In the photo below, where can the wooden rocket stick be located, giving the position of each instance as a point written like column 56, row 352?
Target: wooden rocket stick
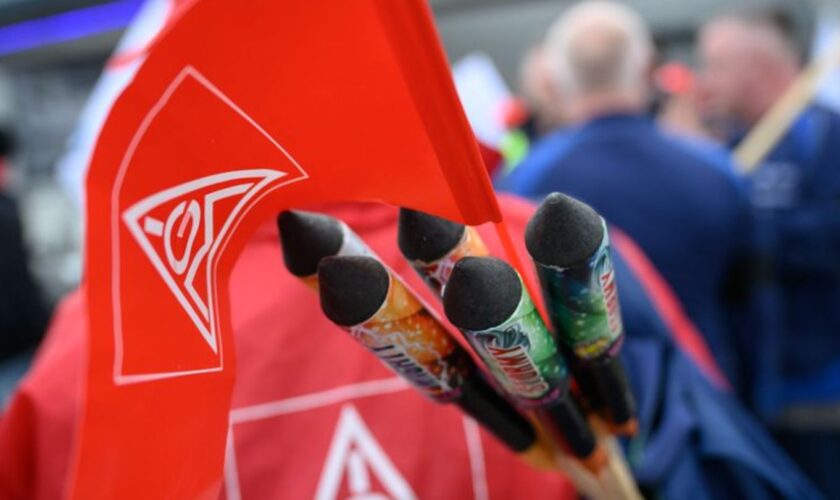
column 616, row 478
column 614, row 482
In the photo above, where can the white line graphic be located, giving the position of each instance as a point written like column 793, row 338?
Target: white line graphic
column 203, row 313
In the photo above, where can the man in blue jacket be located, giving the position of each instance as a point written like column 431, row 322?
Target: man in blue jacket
column 749, row 60
column 679, row 201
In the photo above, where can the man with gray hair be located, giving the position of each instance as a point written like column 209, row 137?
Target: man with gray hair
column 679, row 202
column 600, row 54
column 749, row 59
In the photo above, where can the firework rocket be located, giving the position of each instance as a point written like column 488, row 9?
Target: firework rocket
column 486, row 300
column 569, row 244
column 308, row 237
column 433, row 245
column 361, row 296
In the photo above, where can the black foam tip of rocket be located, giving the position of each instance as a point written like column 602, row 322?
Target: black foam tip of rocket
column 482, row 292
column 425, row 237
column 352, row 288
column 307, row 238
column 563, row 232
column 481, row 401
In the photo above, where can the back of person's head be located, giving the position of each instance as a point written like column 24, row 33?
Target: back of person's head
column 764, row 29
column 540, row 96
column 749, row 56
column 601, row 51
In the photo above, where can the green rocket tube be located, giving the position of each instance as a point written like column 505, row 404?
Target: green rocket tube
column 486, row 300
column 570, row 246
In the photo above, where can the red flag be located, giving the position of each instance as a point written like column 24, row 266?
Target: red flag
column 240, row 110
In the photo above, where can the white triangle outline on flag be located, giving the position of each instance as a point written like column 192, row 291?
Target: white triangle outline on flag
column 207, row 252
column 353, row 442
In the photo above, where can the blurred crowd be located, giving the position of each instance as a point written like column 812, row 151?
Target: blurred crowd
column 749, row 243
column 751, row 249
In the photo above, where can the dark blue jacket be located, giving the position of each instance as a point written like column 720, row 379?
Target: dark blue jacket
column 679, row 201
column 695, row 440
column 796, row 198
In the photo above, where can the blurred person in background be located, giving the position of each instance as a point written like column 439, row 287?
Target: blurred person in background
column 23, row 315
column 536, row 110
column 749, row 59
column 676, row 201
column 540, row 97
column 676, row 110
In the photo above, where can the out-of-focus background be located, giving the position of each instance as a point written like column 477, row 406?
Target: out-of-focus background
column 53, row 51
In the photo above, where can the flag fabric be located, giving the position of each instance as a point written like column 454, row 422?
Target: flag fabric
column 237, row 111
